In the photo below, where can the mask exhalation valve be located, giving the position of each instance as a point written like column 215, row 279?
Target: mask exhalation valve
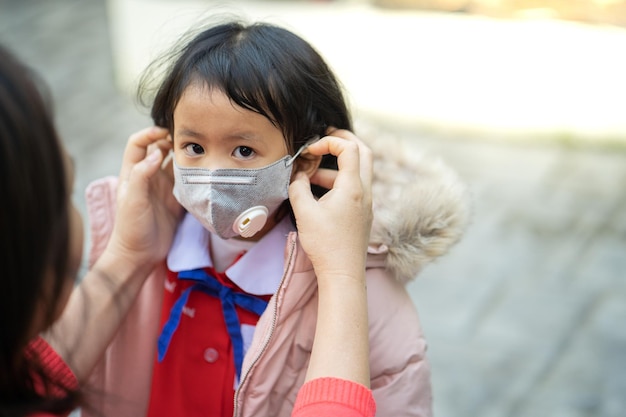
column 250, row 221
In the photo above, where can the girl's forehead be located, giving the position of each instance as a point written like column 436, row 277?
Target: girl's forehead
column 256, row 102
column 203, row 113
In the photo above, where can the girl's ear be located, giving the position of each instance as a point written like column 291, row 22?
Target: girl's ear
column 307, row 163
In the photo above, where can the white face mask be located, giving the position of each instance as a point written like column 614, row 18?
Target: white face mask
column 231, row 202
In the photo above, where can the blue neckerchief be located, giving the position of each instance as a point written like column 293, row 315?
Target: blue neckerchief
column 229, row 298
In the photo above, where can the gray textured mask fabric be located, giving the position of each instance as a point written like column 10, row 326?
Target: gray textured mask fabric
column 231, row 202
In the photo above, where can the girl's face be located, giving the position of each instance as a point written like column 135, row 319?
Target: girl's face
column 211, row 132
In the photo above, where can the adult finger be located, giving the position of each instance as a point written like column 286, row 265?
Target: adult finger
column 164, row 145
column 348, row 161
column 142, row 171
column 136, row 182
column 137, row 147
column 346, row 151
column 365, row 154
column 300, row 192
column 324, row 178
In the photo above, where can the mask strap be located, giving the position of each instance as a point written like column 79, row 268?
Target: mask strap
column 306, row 145
column 167, row 159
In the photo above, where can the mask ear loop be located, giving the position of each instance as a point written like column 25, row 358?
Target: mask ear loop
column 167, row 159
column 302, row 148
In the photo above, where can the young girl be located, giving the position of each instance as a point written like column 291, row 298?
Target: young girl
column 42, row 248
column 226, row 326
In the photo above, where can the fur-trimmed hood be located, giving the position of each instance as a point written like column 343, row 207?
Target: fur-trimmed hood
column 421, row 207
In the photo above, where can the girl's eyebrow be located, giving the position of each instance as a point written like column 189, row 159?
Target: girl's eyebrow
column 188, row 132
column 251, row 136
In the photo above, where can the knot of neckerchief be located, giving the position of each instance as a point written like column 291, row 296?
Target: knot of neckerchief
column 228, row 298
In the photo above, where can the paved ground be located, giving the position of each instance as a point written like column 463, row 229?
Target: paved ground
column 526, row 317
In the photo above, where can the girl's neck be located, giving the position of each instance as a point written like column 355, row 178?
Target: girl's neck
column 225, row 251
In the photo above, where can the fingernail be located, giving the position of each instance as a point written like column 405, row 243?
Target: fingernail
column 153, row 156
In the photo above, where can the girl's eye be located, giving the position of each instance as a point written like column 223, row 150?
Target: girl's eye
column 194, row 149
column 243, row 152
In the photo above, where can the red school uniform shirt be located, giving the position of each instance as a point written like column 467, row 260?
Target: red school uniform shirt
column 195, row 372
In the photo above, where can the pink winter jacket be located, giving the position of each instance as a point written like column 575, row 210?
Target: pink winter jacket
column 420, row 211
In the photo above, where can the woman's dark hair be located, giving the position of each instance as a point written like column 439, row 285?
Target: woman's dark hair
column 263, row 68
column 34, row 237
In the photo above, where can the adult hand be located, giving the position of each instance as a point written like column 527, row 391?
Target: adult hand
column 146, row 218
column 334, row 230
column 147, row 212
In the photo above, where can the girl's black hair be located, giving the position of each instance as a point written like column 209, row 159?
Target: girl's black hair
column 34, row 237
column 263, row 68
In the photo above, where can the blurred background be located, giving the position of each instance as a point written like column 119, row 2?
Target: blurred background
column 525, row 99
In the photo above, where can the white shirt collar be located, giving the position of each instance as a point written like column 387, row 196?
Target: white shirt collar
column 258, row 272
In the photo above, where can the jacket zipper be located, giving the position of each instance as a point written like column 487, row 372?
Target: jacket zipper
column 272, row 328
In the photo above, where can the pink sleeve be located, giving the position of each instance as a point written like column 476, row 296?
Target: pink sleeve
column 334, row 397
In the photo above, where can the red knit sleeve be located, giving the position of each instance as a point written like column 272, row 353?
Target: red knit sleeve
column 54, row 366
column 334, row 397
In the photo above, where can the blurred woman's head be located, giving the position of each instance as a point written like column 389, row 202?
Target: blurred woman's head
column 40, row 230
